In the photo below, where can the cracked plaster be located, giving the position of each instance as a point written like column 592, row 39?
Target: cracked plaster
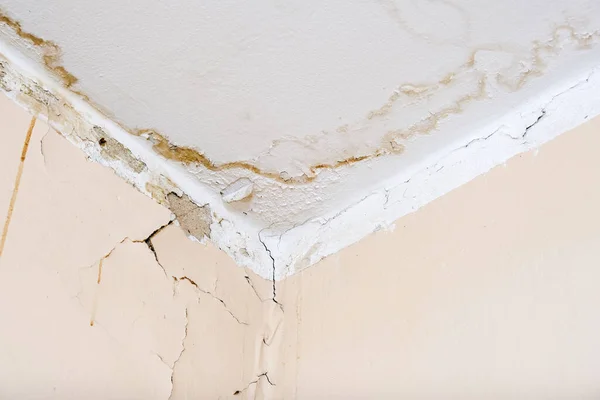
column 494, row 293
column 327, row 166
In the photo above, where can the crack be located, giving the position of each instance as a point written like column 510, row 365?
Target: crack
column 265, row 374
column 100, row 264
column 195, row 285
column 273, row 273
column 480, row 139
column 539, row 118
column 163, row 361
column 527, row 129
column 42, row 145
column 253, row 288
column 254, row 382
column 106, row 255
column 99, row 278
column 148, row 242
column 187, row 323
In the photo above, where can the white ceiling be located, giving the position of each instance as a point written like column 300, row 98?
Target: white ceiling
column 345, row 98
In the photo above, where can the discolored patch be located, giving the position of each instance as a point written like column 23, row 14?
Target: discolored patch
column 113, row 149
column 195, row 220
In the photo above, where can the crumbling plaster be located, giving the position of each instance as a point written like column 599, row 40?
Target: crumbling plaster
column 343, row 116
column 493, row 294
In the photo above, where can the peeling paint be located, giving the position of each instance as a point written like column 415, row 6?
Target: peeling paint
column 305, row 188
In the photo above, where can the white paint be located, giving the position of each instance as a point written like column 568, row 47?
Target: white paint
column 287, row 86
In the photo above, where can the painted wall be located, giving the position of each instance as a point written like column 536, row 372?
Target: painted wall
column 488, row 292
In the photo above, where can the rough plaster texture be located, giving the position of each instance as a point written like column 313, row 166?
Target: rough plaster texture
column 342, row 115
column 488, row 292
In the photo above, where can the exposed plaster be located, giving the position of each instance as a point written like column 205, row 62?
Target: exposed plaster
column 101, row 147
column 194, row 219
column 300, row 213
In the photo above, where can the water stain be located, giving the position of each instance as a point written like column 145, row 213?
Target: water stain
column 15, row 192
column 51, row 53
column 389, row 143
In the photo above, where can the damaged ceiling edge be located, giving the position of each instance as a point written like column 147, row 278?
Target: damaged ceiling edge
column 560, row 108
column 273, row 253
column 131, row 157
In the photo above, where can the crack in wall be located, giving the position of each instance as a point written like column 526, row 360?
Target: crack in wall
column 212, row 295
column 425, row 126
column 148, row 242
column 253, row 288
column 187, row 322
column 274, row 272
column 254, row 382
column 100, row 263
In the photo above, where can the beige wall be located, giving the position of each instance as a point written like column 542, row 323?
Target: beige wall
column 488, row 292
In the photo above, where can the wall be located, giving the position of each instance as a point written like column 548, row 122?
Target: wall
column 489, row 291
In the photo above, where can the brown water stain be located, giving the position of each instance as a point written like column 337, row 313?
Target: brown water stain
column 389, row 146
column 51, row 53
column 15, row 192
column 189, row 156
column 95, row 304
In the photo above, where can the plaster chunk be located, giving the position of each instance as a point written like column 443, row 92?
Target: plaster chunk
column 238, row 190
